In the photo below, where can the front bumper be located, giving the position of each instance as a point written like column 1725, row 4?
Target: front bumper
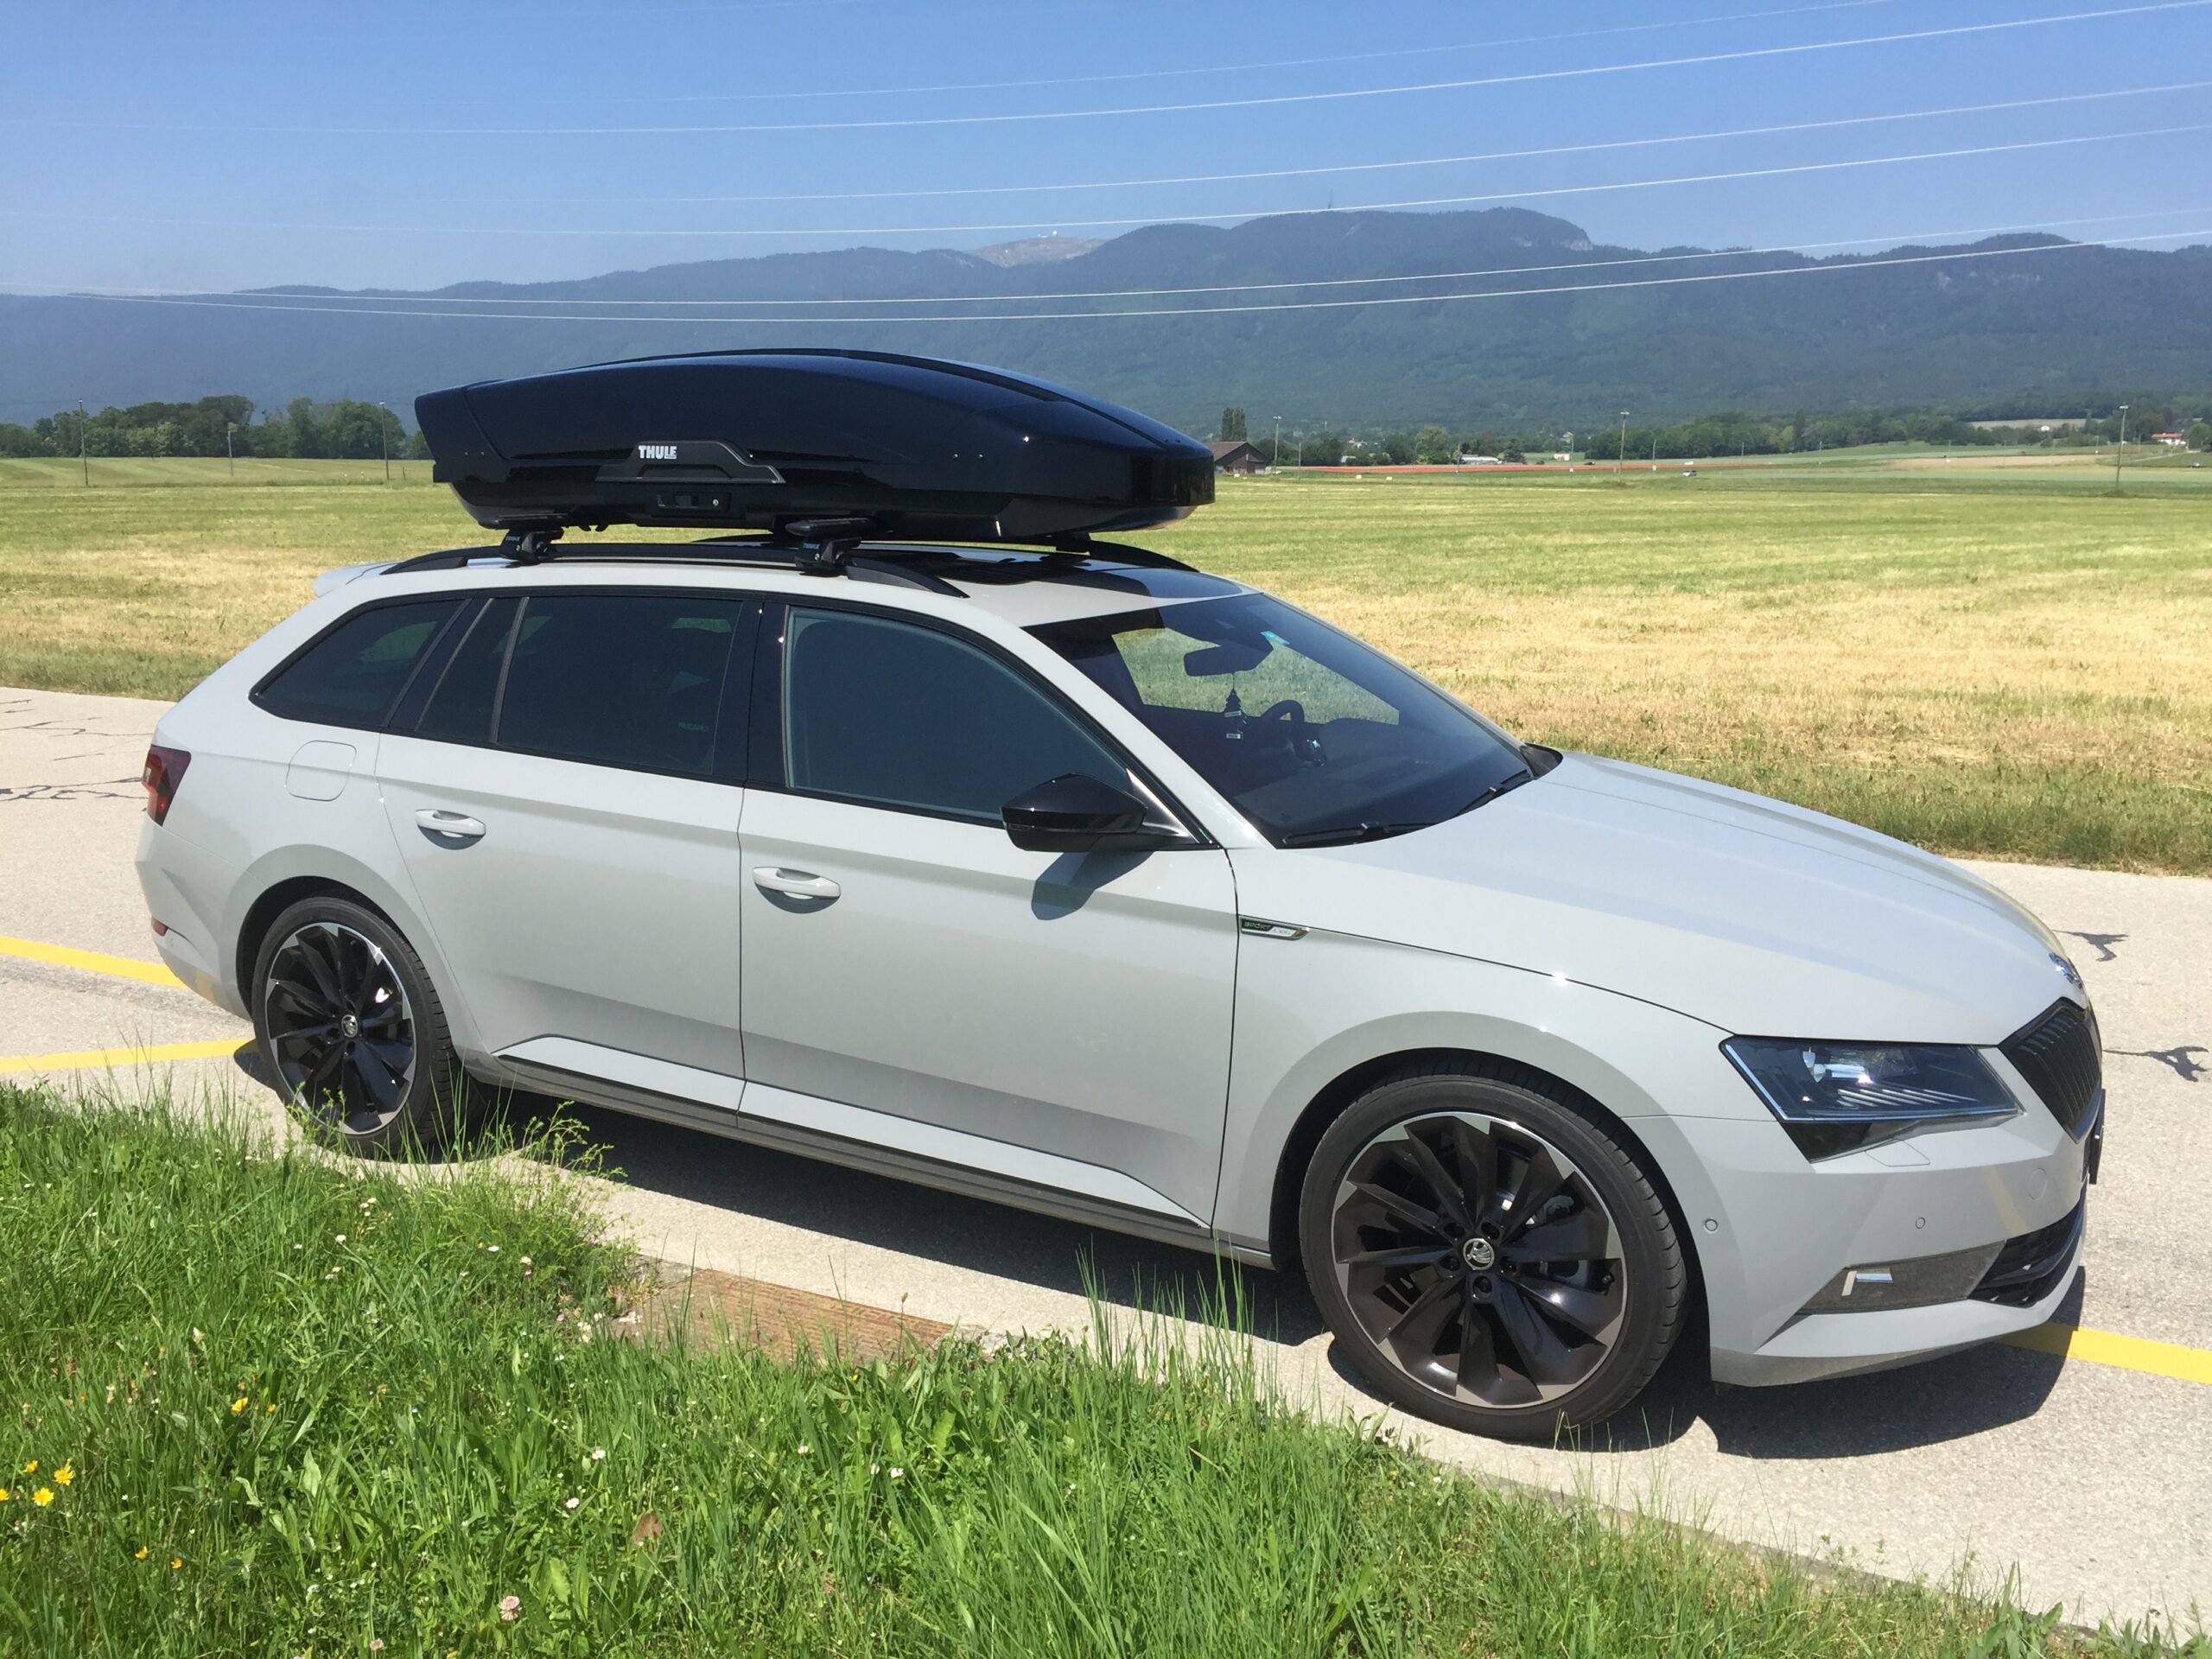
column 1775, row 1234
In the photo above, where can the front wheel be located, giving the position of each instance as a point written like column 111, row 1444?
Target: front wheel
column 353, row 1029
column 1490, row 1257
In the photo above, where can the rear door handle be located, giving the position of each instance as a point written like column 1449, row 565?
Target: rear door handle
column 452, row 826
column 799, row 883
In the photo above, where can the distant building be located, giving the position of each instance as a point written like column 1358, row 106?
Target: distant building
column 2171, row 439
column 1236, row 456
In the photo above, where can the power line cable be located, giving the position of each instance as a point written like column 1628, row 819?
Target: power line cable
column 1183, row 311
column 998, row 117
column 700, row 232
column 1893, row 238
column 1185, row 71
column 1372, row 167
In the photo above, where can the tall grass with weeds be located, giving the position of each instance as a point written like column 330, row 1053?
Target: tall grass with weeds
column 272, row 1403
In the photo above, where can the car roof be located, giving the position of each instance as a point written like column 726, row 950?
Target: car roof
column 1026, row 587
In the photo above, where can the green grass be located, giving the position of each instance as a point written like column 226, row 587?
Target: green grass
column 306, row 1408
column 2008, row 661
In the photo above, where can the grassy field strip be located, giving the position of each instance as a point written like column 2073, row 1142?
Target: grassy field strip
column 269, row 1404
column 91, row 962
column 2008, row 661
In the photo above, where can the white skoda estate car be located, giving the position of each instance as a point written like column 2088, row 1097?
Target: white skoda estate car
column 1092, row 883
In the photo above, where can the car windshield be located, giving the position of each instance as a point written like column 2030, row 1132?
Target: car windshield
column 1316, row 738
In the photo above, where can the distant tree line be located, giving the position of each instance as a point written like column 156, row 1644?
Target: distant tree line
column 343, row 430
column 1731, row 433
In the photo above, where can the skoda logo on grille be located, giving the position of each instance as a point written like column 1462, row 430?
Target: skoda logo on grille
column 1479, row 1253
column 2073, row 974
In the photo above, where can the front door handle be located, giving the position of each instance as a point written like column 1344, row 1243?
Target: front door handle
column 799, row 884
column 450, row 826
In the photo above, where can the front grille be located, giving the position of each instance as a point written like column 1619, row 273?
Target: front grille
column 2058, row 1057
column 2029, row 1268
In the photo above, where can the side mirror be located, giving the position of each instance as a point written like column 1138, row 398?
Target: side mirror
column 1078, row 813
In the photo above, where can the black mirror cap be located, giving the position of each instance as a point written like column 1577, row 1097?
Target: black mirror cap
column 1078, row 813
column 916, row 448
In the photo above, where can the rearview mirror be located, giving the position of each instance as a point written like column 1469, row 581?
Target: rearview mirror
column 1078, row 813
column 1230, row 656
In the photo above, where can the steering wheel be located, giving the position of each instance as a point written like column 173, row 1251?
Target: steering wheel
column 1289, row 709
column 1300, row 737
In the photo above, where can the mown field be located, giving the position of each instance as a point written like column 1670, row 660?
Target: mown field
column 272, row 1404
column 2002, row 660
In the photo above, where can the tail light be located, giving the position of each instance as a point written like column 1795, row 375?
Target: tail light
column 164, row 771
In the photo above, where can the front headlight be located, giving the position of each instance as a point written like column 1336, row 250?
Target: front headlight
column 1837, row 1097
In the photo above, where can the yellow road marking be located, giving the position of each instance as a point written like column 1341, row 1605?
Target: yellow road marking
column 2126, row 1353
column 92, row 961
column 86, row 1059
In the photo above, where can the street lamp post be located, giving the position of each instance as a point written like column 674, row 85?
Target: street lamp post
column 1274, row 455
column 383, row 438
column 230, row 455
column 2119, row 449
column 1622, row 450
column 84, row 455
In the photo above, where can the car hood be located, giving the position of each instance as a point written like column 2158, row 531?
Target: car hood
column 1757, row 916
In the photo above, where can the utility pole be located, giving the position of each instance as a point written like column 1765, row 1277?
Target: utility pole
column 2119, row 449
column 1654, row 449
column 1274, row 455
column 84, row 455
column 230, row 455
column 384, row 439
column 1622, row 450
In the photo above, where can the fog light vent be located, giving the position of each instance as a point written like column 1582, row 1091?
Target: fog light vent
column 1925, row 1281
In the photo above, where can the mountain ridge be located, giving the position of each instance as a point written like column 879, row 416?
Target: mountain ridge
column 1553, row 328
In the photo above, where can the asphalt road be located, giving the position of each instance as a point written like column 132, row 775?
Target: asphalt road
column 2084, row 1459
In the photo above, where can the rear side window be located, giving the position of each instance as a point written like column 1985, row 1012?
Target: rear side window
column 460, row 709
column 354, row 673
column 620, row 679
column 895, row 715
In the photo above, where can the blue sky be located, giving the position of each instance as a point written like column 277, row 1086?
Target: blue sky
column 260, row 142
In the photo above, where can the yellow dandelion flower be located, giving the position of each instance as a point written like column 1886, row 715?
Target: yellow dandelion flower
column 31, row 1468
column 237, row 1405
column 175, row 1561
column 64, row 1475
column 43, row 1497
column 5, row 1494
column 271, row 1407
column 141, row 1556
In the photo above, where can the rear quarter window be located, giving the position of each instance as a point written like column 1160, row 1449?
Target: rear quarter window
column 353, row 674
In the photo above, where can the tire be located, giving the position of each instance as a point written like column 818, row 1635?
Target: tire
column 352, row 1030
column 1432, row 1284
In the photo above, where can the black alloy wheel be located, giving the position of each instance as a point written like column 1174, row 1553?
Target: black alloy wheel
column 352, row 1028
column 1490, row 1257
column 340, row 1032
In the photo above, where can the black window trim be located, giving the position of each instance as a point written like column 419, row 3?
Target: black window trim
column 730, row 766
column 381, row 722
column 768, row 773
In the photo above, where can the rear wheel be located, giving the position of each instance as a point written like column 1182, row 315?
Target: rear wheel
column 353, row 1031
column 1490, row 1257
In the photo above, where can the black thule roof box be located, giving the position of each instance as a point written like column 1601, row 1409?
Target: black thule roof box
column 795, row 441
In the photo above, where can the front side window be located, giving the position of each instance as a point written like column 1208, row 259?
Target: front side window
column 1314, row 737
column 892, row 714
column 354, row 673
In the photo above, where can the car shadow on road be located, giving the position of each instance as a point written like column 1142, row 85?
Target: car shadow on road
column 1952, row 1398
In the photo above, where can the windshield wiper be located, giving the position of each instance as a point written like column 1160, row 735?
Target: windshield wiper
column 1345, row 834
column 1500, row 787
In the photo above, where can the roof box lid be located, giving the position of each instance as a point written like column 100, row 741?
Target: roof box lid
column 769, row 440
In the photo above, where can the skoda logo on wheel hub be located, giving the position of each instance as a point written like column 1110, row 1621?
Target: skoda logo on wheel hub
column 1479, row 1253
column 350, row 1027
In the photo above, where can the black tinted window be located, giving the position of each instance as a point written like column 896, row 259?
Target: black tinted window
column 618, row 679
column 353, row 674
column 903, row 716
column 460, row 709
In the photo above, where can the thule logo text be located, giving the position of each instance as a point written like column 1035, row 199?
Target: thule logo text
column 656, row 452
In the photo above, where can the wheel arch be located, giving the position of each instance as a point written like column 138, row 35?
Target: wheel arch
column 1338, row 1095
